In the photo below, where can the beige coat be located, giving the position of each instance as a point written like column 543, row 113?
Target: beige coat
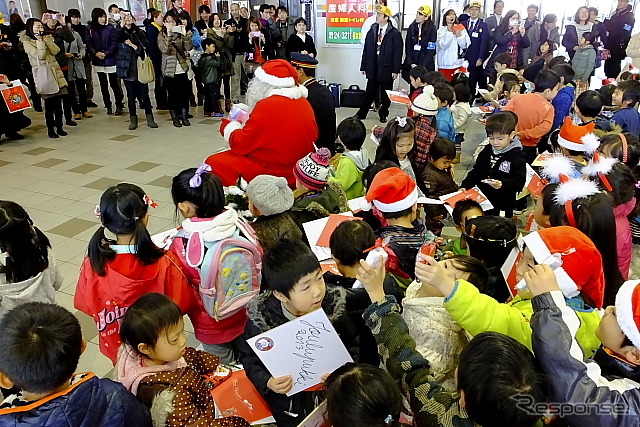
column 633, row 50
column 44, row 50
column 174, row 47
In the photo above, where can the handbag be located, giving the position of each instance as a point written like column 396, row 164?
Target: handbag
column 605, row 54
column 44, row 76
column 146, row 73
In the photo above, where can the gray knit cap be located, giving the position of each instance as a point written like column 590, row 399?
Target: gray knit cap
column 270, row 194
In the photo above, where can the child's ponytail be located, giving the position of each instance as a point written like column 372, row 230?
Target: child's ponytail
column 122, row 211
column 201, row 188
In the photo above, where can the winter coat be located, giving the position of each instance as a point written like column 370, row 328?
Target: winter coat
column 224, row 46
column 583, row 63
column 389, row 61
column 324, row 111
column 445, row 124
column 89, row 401
column 60, row 34
column 633, row 50
column 272, row 37
column 76, row 65
column 174, row 48
column 319, row 204
column 570, row 38
column 562, row 104
column 509, row 168
column 478, row 313
column 41, row 52
column 619, row 28
column 426, row 55
column 533, row 34
column 272, row 228
column 351, row 166
column 295, row 44
column 240, row 36
column 265, row 313
column 449, row 47
column 127, row 60
column 256, row 149
column 615, row 366
column 181, row 383
column 207, row 329
column 430, row 403
column 438, row 181
column 40, row 288
column 287, row 29
column 461, row 116
column 502, row 40
column 152, row 32
column 103, row 38
column 628, row 119
column 405, row 243
column 479, row 45
column 575, row 380
column 106, row 298
column 439, row 339
column 623, row 236
column 209, row 66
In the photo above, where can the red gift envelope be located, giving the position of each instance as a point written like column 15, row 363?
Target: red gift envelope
column 398, row 97
column 458, row 27
column 330, row 226
column 472, row 193
column 329, row 266
column 15, row 96
column 238, row 397
column 508, row 269
column 534, row 183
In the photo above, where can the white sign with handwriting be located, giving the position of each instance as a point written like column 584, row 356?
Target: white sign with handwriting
column 305, row 348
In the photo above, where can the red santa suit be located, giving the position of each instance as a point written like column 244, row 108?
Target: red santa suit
column 280, row 130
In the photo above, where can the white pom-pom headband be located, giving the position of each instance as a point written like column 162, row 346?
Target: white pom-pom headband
column 600, row 166
column 570, row 190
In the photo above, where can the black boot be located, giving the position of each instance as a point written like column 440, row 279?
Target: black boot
column 151, row 122
column 185, row 118
column 61, row 131
column 133, row 122
column 175, row 117
column 52, row 133
column 119, row 110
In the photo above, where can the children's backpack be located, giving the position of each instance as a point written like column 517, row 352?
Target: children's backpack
column 230, row 270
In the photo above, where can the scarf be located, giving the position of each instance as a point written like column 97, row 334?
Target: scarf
column 212, row 229
column 131, row 370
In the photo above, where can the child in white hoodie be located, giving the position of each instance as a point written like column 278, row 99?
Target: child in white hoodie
column 461, row 110
column 439, row 339
column 28, row 270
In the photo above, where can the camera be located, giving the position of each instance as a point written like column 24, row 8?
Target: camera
column 54, row 16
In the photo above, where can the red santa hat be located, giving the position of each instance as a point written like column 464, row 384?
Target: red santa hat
column 277, row 73
column 391, row 190
column 577, row 262
column 578, row 138
column 628, row 310
column 600, row 166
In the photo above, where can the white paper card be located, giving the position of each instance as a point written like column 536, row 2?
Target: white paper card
column 305, row 348
column 313, row 230
column 318, row 418
column 163, row 239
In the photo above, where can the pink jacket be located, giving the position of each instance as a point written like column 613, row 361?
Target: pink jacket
column 623, row 236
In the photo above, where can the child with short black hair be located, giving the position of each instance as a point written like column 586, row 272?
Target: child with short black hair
column 588, row 107
column 463, row 211
column 583, row 61
column 502, row 64
column 418, row 79
column 444, row 117
column 438, row 175
column 41, row 346
column 352, row 163
column 157, row 367
column 607, row 96
column 461, row 115
column 295, row 287
column 209, row 67
column 563, row 101
column 499, row 171
column 535, row 112
column 626, row 97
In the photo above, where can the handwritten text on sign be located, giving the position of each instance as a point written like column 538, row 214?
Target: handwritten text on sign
column 305, row 348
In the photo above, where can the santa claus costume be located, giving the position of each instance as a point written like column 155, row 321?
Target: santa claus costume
column 280, row 130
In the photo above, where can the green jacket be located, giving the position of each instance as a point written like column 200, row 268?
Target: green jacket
column 209, row 64
column 431, row 404
column 583, row 63
column 349, row 175
column 478, row 313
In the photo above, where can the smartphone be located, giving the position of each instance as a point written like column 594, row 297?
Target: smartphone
column 255, row 33
column 177, row 29
column 54, row 16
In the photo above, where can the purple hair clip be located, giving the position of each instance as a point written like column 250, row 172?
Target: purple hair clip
column 196, row 180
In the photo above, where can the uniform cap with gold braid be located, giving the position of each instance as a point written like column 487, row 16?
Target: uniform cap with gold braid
column 302, row 60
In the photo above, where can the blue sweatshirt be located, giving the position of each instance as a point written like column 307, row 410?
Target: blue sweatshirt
column 445, row 124
column 629, row 119
column 562, row 105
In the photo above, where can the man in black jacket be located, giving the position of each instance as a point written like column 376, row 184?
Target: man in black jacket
column 619, row 28
column 237, row 27
column 381, row 62
column 320, row 99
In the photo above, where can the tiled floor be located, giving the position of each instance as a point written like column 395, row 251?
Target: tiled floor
column 59, row 182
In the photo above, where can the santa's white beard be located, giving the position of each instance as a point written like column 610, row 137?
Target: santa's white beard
column 257, row 91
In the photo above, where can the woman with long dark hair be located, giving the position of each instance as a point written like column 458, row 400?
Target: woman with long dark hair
column 510, row 38
column 420, row 44
column 102, row 44
column 452, row 42
column 224, row 43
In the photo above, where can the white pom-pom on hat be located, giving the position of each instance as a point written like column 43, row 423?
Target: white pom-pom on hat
column 575, row 189
column 557, row 165
column 591, row 143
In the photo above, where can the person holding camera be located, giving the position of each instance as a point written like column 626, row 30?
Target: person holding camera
column 75, row 52
column 175, row 42
column 224, row 42
column 511, row 38
column 237, row 28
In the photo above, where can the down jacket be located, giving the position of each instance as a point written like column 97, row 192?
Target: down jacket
column 449, row 47
column 174, row 47
column 576, row 382
column 40, row 51
column 102, row 38
column 90, row 401
column 127, row 59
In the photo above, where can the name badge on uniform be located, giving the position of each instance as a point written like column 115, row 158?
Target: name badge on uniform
column 417, row 47
column 431, row 46
column 474, row 34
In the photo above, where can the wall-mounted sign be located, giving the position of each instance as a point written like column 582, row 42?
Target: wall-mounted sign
column 344, row 21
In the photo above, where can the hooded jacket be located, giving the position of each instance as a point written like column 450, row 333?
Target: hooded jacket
column 127, row 59
column 351, row 166
column 509, row 168
column 438, row 181
column 40, row 288
column 272, row 228
column 624, row 241
column 265, row 313
column 207, row 329
column 562, row 104
column 574, row 380
column 107, row 298
column 449, row 47
column 583, row 62
column 89, row 401
column 319, row 204
column 405, row 243
column 102, row 38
